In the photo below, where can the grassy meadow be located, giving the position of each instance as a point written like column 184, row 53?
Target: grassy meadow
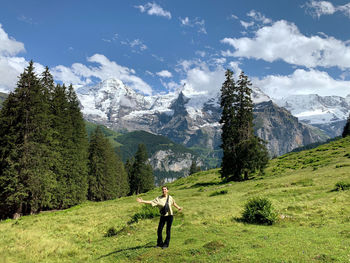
column 313, row 224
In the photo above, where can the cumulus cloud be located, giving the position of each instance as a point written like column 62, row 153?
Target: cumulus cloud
column 319, row 8
column 164, row 74
column 302, row 82
column 283, row 41
column 10, row 65
column 197, row 23
column 80, row 74
column 203, row 78
column 154, row 9
column 8, row 45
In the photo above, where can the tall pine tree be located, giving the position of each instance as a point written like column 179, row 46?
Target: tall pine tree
column 141, row 174
column 228, row 97
column 107, row 176
column 78, row 174
column 243, row 152
column 26, row 180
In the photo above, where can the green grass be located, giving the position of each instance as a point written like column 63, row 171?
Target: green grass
column 313, row 220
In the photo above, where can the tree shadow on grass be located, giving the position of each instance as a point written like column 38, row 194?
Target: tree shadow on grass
column 197, row 185
column 148, row 245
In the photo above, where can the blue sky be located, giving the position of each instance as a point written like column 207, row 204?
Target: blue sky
column 285, row 47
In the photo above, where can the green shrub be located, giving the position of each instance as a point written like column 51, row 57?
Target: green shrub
column 259, row 210
column 111, row 232
column 222, row 192
column 146, row 212
column 340, row 186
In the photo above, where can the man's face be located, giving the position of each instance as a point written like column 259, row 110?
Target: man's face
column 164, row 190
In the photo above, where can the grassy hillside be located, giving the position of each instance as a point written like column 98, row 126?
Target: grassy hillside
column 313, row 225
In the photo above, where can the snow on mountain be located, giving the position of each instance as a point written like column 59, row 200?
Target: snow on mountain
column 314, row 109
column 112, row 99
column 187, row 116
column 111, row 94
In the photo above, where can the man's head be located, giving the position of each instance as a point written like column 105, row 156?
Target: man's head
column 164, row 190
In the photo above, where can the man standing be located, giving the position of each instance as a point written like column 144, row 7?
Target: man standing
column 164, row 203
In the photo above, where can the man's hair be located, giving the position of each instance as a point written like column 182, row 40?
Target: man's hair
column 164, row 186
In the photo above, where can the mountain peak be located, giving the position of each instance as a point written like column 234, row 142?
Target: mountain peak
column 113, row 85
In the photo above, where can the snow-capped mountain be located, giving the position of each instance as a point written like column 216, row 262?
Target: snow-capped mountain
column 113, row 102
column 328, row 112
column 186, row 116
column 315, row 109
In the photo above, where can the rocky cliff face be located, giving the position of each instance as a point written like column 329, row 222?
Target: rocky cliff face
column 281, row 129
column 188, row 118
column 169, row 165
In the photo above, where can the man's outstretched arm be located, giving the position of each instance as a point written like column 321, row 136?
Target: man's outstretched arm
column 140, row 200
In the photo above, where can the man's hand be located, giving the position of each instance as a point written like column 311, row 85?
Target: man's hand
column 139, row 200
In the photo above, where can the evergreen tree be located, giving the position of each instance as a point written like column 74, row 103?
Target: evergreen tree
column 244, row 153
column 26, row 180
column 107, row 176
column 141, row 177
column 227, row 100
column 78, row 174
column 346, row 131
column 194, row 168
column 129, row 164
column 62, row 143
column 71, row 147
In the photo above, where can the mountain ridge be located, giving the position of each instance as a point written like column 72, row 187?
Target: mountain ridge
column 185, row 116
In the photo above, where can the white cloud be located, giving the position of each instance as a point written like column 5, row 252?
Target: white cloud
column 319, row 8
column 246, row 24
column 185, row 21
column 10, row 69
column 283, row 40
column 200, row 53
column 197, row 23
column 164, row 74
column 161, row 59
column 257, row 16
column 154, row 9
column 302, row 82
column 136, row 45
column 8, row 45
column 170, row 86
column 10, row 65
column 219, row 61
column 202, row 80
column 79, row 74
column 149, row 73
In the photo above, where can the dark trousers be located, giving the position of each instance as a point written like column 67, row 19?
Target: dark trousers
column 162, row 220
